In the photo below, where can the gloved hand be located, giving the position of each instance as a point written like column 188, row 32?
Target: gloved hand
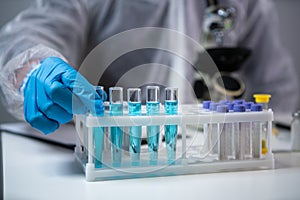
column 54, row 92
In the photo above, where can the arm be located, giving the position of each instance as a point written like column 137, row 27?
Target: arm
column 43, row 30
column 35, row 77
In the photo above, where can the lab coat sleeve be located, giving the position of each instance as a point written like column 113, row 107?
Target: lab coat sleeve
column 270, row 68
column 47, row 28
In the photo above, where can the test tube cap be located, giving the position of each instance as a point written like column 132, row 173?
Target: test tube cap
column 230, row 106
column 213, row 106
column 262, row 98
column 205, row 104
column 248, row 105
column 222, row 108
column 239, row 101
column 256, row 107
column 239, row 108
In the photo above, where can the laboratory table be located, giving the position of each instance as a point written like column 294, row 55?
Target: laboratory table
column 37, row 170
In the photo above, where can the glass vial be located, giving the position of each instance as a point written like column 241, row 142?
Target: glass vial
column 153, row 108
column 171, row 108
column 135, row 132
column 116, row 133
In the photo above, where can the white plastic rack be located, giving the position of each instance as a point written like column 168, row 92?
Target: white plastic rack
column 190, row 142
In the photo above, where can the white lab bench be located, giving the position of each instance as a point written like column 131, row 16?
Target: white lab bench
column 37, row 170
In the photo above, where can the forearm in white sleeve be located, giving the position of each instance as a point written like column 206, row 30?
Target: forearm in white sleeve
column 49, row 28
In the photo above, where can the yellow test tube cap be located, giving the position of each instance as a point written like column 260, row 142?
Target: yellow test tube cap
column 262, row 98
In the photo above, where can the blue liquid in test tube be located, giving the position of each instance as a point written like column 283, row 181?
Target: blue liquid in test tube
column 153, row 108
column 116, row 133
column 171, row 108
column 135, row 132
column 98, row 132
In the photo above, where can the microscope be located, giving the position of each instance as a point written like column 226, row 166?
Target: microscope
column 223, row 82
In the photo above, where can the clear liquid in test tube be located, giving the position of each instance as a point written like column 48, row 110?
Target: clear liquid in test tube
column 257, row 129
column 98, row 132
column 264, row 100
column 135, row 132
column 153, row 132
column 171, row 108
column 213, row 134
column 248, row 134
column 227, row 150
column 116, row 133
column 205, row 145
column 242, row 132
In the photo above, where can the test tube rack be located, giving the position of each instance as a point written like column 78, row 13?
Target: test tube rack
column 190, row 119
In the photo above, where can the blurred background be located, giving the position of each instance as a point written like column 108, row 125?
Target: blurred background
column 288, row 12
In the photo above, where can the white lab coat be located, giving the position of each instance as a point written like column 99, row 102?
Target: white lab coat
column 72, row 28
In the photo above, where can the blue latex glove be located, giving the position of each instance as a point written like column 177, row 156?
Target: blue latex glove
column 54, row 92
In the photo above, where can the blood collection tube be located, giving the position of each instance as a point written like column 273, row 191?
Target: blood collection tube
column 226, row 147
column 171, row 108
column 153, row 108
column 256, row 132
column 116, row 133
column 248, row 133
column 135, row 132
column 264, row 100
column 243, row 137
column 205, row 145
column 213, row 134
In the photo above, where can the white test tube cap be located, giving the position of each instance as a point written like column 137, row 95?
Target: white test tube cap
column 134, row 95
column 152, row 94
column 171, row 94
column 116, row 95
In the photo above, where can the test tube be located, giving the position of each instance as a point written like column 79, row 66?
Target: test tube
column 242, row 133
column 248, row 134
column 226, row 138
column 116, row 133
column 153, row 108
column 171, row 108
column 213, row 134
column 98, row 132
column 256, row 133
column 264, row 100
column 135, row 132
column 205, row 147
column 237, row 132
